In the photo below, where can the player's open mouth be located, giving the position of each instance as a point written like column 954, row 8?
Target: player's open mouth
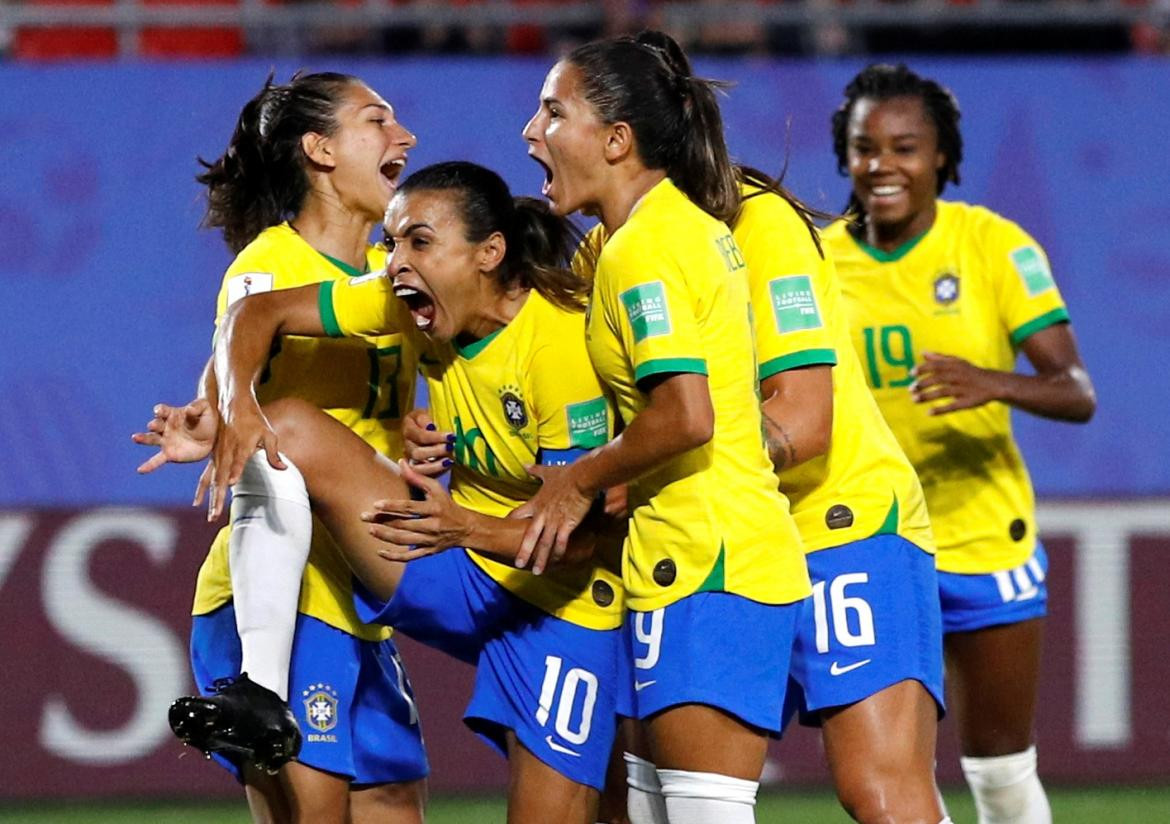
column 548, row 175
column 391, row 170
column 420, row 304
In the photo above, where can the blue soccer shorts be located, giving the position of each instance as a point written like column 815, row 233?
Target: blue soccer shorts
column 549, row 681
column 711, row 648
column 971, row 602
column 873, row 621
column 351, row 697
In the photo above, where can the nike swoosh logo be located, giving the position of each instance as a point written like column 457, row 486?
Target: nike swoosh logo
column 837, row 669
column 641, row 685
column 548, row 739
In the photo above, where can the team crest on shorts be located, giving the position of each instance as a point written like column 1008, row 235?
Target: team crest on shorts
column 320, row 707
column 946, row 288
column 514, row 411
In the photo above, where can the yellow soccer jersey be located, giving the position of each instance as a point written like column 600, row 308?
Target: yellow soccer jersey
column 863, row 485
column 671, row 295
column 975, row 286
column 511, row 398
column 364, row 384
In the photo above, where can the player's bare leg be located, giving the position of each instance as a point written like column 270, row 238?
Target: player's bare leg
column 266, row 799
column 993, row 675
column 538, row 794
column 344, row 476
column 401, row 803
column 991, row 686
column 708, row 763
column 881, row 755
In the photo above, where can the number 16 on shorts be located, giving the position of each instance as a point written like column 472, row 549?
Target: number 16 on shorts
column 851, row 618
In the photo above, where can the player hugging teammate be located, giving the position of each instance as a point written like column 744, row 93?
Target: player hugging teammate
column 694, row 388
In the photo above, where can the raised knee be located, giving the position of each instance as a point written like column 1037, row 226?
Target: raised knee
column 287, row 417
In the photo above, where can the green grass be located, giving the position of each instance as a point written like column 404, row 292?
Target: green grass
column 1069, row 806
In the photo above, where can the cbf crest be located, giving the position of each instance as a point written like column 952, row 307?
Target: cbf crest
column 320, row 707
column 513, row 405
column 946, row 288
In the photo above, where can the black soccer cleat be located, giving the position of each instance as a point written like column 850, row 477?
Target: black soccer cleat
column 241, row 719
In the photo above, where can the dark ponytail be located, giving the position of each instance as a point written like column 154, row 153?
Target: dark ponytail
column 540, row 245
column 646, row 81
column 261, row 179
column 882, row 81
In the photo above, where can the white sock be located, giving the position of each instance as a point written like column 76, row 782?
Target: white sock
column 708, row 798
column 644, row 801
column 946, row 820
column 272, row 528
column 1007, row 789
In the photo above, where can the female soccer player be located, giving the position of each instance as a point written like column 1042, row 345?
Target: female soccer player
column 713, row 566
column 867, row 664
column 941, row 296
column 306, row 176
column 501, row 334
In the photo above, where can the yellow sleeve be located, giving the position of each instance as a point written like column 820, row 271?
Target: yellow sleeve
column 786, row 275
column 1025, row 290
column 360, row 307
column 257, row 268
column 654, row 311
column 570, row 405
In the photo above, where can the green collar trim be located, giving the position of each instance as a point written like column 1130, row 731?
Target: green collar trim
column 345, row 267
column 889, row 257
column 472, row 349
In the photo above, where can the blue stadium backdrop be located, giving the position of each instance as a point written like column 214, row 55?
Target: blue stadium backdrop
column 111, row 287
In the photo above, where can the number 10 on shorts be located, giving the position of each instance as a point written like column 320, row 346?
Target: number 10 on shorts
column 575, row 679
column 842, row 606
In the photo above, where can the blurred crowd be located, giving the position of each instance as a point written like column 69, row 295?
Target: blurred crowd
column 49, row 29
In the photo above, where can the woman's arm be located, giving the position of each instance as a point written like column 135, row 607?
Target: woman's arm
column 1061, row 388
column 414, row 529
column 798, row 414
column 678, row 418
column 242, row 347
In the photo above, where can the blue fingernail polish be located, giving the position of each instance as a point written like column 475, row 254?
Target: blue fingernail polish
column 447, row 462
column 430, row 427
column 451, row 439
column 450, row 447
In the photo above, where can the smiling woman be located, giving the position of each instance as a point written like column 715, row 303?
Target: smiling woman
column 942, row 295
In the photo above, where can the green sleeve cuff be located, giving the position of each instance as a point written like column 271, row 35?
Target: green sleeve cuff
column 1022, row 333
column 695, row 366
column 325, row 306
column 809, row 357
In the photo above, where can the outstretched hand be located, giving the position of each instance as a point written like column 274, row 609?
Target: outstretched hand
column 183, row 434
column 946, row 376
column 415, row 529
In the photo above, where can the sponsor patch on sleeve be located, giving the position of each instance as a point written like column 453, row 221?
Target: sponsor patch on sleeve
column 1033, row 270
column 646, row 308
column 588, row 423
column 794, row 305
column 249, row 283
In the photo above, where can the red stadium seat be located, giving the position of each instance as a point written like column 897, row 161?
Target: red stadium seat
column 65, row 42
column 191, row 41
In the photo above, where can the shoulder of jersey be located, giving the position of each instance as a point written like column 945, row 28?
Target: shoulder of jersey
column 268, row 245
column 972, row 218
column 772, row 207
